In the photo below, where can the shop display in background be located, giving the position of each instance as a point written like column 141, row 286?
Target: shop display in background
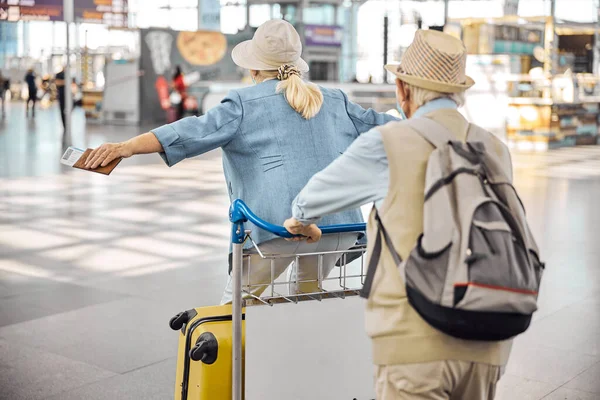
column 575, row 51
column 497, row 38
column 203, row 55
column 542, row 111
column 323, row 35
column 91, row 103
column 322, row 50
column 569, row 117
column 588, row 87
column 31, row 10
column 108, row 12
column 577, row 120
column 542, row 127
column 478, row 38
column 516, row 40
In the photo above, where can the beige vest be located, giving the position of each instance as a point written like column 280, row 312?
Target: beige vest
column 399, row 334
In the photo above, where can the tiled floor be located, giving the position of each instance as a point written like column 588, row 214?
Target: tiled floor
column 93, row 267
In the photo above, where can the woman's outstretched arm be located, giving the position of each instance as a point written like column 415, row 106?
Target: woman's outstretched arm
column 177, row 141
column 142, row 144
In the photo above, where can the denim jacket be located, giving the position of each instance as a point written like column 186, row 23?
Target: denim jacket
column 269, row 151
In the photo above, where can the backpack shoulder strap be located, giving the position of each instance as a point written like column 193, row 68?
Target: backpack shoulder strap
column 476, row 134
column 495, row 150
column 376, row 254
column 433, row 132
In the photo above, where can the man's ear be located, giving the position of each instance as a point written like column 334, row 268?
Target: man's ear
column 402, row 90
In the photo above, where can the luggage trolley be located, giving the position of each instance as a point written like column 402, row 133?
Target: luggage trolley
column 322, row 352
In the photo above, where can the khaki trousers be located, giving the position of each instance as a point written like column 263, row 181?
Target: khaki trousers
column 439, row 380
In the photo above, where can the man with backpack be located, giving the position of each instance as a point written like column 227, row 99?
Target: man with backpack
column 453, row 269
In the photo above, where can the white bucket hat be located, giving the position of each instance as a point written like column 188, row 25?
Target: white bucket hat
column 434, row 61
column 275, row 43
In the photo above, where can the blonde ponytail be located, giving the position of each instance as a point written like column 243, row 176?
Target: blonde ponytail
column 304, row 97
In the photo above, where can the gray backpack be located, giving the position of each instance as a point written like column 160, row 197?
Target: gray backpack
column 474, row 273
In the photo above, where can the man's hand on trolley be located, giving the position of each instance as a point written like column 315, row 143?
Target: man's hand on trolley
column 101, row 156
column 311, row 233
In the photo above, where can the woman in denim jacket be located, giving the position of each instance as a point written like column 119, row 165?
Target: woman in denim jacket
column 275, row 136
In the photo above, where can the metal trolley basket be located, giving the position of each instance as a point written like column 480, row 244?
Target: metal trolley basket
column 345, row 282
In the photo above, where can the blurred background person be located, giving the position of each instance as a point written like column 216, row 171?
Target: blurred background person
column 59, row 81
column 179, row 93
column 32, row 88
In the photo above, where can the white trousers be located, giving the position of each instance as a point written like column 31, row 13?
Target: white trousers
column 308, row 269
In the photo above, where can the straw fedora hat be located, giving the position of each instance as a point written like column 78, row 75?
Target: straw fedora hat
column 275, row 43
column 434, row 61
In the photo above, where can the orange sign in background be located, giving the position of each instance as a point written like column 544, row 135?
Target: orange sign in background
column 43, row 10
column 109, row 12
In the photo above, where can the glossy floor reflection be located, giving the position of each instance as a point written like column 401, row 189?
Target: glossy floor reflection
column 93, row 267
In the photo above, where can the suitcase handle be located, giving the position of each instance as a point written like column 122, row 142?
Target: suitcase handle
column 239, row 213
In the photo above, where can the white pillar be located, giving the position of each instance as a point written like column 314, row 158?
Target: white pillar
column 4, row 44
column 199, row 5
column 446, row 6
column 302, row 4
column 77, row 49
column 511, row 7
column 335, row 14
column 597, row 43
column 26, row 39
column 209, row 15
column 248, row 14
column 68, row 12
column 554, row 47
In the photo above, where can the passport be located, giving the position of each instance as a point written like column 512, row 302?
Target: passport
column 76, row 158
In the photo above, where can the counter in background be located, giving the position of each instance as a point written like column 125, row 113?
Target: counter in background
column 566, row 113
column 546, row 125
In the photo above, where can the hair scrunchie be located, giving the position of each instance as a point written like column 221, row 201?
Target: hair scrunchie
column 286, row 70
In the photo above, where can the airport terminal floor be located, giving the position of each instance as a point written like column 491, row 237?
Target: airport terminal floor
column 92, row 267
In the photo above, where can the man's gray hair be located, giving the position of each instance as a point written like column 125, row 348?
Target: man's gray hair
column 420, row 96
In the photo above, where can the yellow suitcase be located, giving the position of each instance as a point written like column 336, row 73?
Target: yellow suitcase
column 204, row 354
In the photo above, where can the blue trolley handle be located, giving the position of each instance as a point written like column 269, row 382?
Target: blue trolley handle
column 239, row 213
